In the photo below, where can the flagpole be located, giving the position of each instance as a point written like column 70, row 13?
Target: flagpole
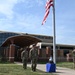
column 54, row 34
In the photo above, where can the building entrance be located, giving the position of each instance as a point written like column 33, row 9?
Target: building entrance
column 17, row 54
column 15, row 44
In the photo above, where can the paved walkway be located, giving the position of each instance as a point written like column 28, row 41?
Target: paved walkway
column 59, row 70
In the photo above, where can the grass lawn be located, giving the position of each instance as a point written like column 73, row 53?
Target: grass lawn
column 66, row 64
column 14, row 69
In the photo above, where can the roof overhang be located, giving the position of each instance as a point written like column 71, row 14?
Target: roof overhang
column 21, row 40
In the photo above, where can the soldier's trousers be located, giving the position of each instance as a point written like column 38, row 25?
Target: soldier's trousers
column 33, row 64
column 24, row 63
column 74, row 61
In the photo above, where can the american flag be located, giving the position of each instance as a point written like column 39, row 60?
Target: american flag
column 49, row 3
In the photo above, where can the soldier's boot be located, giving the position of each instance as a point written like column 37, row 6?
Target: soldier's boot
column 25, row 66
column 35, row 68
column 32, row 67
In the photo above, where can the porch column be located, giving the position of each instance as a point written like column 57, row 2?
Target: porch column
column 11, row 52
column 48, row 52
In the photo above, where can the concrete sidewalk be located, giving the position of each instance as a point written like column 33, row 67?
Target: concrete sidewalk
column 59, row 70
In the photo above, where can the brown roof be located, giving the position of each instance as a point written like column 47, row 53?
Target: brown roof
column 21, row 40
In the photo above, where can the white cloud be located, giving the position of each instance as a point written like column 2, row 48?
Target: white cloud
column 6, row 7
column 31, row 3
column 20, row 21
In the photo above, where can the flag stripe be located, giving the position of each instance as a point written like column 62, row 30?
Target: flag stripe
column 49, row 3
column 45, row 17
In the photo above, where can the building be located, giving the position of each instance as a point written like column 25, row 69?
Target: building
column 12, row 42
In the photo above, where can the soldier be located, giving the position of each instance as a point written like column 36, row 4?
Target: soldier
column 73, row 52
column 24, row 57
column 33, row 54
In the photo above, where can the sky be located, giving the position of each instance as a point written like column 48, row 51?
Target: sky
column 26, row 16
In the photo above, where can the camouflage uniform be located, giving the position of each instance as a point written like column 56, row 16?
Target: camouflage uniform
column 24, row 57
column 73, row 52
column 34, row 57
